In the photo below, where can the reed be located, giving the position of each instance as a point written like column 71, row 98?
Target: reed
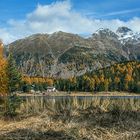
column 35, row 105
column 75, row 119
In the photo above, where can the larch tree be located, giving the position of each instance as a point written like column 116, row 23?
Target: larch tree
column 3, row 74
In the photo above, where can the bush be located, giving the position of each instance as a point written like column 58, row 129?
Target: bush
column 13, row 102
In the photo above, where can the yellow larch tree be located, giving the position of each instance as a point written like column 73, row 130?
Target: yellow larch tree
column 3, row 75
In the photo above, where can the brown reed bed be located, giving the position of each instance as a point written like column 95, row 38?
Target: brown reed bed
column 74, row 119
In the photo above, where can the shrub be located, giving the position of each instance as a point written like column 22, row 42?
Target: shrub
column 13, row 102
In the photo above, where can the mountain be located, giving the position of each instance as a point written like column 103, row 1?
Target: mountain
column 65, row 55
column 130, row 41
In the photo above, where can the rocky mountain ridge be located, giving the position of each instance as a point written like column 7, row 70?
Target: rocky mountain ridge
column 65, row 55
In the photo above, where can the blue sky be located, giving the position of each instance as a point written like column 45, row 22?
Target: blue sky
column 17, row 9
column 20, row 18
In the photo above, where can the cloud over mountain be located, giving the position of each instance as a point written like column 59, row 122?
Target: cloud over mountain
column 60, row 16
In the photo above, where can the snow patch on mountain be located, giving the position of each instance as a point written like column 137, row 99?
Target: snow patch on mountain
column 127, row 35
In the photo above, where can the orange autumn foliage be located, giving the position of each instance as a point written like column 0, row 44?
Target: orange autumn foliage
column 3, row 75
column 38, row 80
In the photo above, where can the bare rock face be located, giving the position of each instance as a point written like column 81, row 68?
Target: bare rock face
column 65, row 55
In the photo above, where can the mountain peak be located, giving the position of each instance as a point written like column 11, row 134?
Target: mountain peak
column 127, row 35
column 124, row 33
column 123, row 30
column 105, row 32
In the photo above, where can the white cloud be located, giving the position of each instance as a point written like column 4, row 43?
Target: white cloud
column 122, row 12
column 60, row 16
column 6, row 36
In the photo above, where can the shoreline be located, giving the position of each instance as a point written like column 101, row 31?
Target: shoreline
column 81, row 94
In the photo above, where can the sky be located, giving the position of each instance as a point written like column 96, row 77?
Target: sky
column 21, row 18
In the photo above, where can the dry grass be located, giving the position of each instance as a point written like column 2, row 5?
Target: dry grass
column 75, row 119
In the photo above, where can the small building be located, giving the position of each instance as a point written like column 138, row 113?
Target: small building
column 51, row 89
column 32, row 91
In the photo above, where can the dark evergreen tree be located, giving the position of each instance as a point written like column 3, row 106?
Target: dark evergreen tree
column 25, row 87
column 14, row 77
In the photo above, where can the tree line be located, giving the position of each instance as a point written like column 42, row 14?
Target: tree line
column 118, row 77
column 35, row 83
